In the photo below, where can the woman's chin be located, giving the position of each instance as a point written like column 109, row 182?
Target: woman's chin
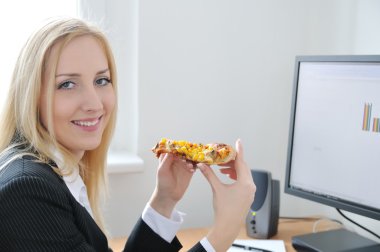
column 91, row 146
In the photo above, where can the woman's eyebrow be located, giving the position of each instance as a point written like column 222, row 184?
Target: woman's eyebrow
column 68, row 75
column 103, row 71
column 77, row 74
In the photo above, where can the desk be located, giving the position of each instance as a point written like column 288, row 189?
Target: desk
column 286, row 229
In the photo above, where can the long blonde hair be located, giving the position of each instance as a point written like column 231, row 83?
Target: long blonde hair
column 20, row 125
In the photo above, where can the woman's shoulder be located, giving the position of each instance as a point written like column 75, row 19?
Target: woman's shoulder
column 27, row 166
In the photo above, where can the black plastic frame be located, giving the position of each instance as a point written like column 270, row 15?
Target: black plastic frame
column 333, row 202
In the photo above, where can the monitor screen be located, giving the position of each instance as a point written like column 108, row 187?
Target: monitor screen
column 334, row 141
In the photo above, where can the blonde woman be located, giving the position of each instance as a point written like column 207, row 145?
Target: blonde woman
column 54, row 135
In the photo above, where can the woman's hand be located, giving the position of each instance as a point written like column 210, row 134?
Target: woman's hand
column 173, row 178
column 231, row 201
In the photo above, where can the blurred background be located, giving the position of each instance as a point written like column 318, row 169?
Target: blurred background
column 204, row 71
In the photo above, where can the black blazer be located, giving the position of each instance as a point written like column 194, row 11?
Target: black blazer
column 38, row 213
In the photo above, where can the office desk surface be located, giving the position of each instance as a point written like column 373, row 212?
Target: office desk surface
column 286, row 229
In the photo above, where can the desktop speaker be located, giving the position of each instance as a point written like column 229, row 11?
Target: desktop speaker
column 262, row 218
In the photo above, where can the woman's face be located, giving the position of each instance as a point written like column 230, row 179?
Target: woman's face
column 83, row 95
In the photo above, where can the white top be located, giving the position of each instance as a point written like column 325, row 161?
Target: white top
column 78, row 189
column 164, row 227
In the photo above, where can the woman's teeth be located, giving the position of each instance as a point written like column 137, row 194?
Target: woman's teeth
column 86, row 123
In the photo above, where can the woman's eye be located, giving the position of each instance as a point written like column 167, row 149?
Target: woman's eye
column 103, row 81
column 66, row 85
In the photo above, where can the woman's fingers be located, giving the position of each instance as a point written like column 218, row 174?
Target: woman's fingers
column 161, row 157
column 230, row 172
column 166, row 164
column 239, row 149
column 188, row 165
column 166, row 158
column 209, row 174
column 242, row 170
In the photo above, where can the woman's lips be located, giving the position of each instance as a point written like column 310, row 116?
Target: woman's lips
column 88, row 124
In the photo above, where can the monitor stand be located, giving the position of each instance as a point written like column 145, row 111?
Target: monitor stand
column 334, row 241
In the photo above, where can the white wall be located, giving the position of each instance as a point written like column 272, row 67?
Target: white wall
column 218, row 70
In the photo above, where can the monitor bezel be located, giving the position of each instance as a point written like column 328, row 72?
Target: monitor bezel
column 333, row 202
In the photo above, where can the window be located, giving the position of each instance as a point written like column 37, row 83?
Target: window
column 17, row 22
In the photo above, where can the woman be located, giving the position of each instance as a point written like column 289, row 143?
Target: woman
column 55, row 132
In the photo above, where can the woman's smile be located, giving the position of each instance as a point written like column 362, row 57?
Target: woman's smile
column 90, row 124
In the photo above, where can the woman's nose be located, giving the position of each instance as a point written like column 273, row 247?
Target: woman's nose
column 92, row 101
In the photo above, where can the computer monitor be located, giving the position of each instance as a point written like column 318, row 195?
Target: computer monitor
column 334, row 140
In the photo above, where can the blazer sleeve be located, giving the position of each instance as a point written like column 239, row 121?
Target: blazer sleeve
column 144, row 239
column 197, row 248
column 36, row 216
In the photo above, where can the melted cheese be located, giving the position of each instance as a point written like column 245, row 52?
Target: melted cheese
column 208, row 153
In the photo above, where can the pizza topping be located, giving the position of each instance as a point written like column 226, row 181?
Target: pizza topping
column 196, row 152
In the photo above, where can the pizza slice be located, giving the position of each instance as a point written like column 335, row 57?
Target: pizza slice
column 211, row 154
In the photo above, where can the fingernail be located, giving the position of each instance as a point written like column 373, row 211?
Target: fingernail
column 201, row 167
